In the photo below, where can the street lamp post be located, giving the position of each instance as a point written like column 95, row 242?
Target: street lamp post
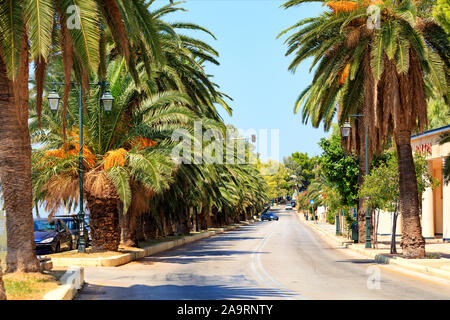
column 345, row 131
column 338, row 224
column 53, row 100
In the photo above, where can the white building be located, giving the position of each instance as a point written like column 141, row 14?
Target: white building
column 435, row 202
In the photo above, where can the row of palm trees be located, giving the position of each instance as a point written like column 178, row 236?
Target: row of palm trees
column 381, row 62
column 133, row 188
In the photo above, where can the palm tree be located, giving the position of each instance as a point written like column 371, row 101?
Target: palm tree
column 182, row 72
column 2, row 287
column 31, row 32
column 184, row 67
column 127, row 155
column 382, row 73
column 223, row 193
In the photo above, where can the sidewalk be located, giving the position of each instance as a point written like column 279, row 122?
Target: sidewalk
column 438, row 263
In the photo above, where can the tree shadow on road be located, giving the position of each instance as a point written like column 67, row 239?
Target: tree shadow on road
column 358, row 261
column 178, row 292
column 194, row 256
column 215, row 248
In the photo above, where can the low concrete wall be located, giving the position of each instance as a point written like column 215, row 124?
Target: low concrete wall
column 71, row 282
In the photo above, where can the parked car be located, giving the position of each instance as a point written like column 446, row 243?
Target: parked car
column 51, row 236
column 72, row 222
column 268, row 216
column 288, row 207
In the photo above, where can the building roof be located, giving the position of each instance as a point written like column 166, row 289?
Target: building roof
column 431, row 132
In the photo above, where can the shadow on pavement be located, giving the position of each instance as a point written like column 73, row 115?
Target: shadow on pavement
column 210, row 250
column 176, row 292
column 214, row 248
column 358, row 261
column 195, row 256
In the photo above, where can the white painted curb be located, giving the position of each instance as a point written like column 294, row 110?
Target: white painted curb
column 71, row 282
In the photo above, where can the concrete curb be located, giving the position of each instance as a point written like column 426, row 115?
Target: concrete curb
column 71, row 282
column 125, row 258
column 443, row 272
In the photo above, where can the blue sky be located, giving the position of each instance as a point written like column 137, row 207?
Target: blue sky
column 253, row 69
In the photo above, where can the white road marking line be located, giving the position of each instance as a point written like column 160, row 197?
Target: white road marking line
column 256, row 254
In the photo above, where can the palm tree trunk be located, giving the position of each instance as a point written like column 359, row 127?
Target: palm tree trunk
column 214, row 217
column 182, row 225
column 413, row 243
column 394, row 229
column 139, row 228
column 104, row 218
column 126, row 230
column 15, row 175
column 202, row 219
column 162, row 219
column 2, row 287
column 361, row 214
column 150, row 226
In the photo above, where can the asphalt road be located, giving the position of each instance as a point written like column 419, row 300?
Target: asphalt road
column 266, row 260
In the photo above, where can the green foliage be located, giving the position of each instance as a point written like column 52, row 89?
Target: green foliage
column 277, row 176
column 424, row 177
column 331, row 217
column 348, row 219
column 438, row 113
column 441, row 12
column 381, row 186
column 340, row 169
column 302, row 167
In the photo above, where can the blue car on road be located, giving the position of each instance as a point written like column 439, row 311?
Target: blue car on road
column 269, row 216
column 51, row 236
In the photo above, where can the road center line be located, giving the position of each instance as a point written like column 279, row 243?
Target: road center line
column 266, row 278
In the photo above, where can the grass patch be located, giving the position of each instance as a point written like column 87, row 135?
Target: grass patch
column 2, row 259
column 31, row 286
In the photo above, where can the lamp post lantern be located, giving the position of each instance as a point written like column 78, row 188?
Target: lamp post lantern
column 107, row 100
column 345, row 131
column 53, row 100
